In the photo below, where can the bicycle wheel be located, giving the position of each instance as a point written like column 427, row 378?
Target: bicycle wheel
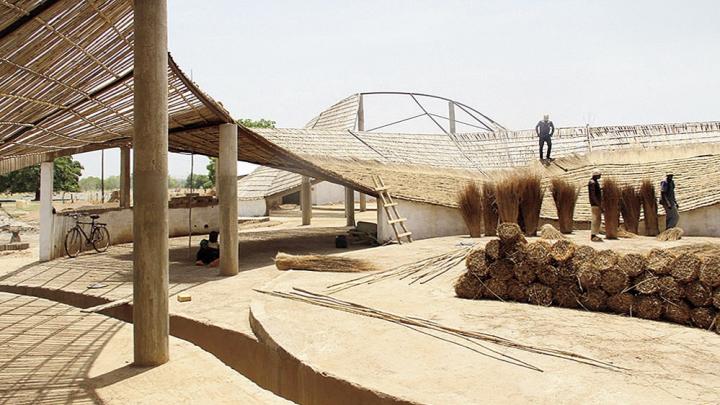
column 73, row 242
column 100, row 239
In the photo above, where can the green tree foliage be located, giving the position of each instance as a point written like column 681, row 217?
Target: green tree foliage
column 90, row 183
column 66, row 178
column 248, row 123
column 174, row 183
column 199, row 181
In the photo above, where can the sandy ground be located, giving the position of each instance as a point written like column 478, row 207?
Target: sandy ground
column 666, row 363
column 52, row 353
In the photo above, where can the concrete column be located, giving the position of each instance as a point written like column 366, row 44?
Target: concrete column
column 363, row 202
column 227, row 194
column 350, row 206
column 150, row 191
column 451, row 116
column 46, row 215
column 306, row 200
column 124, row 177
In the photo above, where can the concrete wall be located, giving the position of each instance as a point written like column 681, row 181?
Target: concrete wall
column 120, row 224
column 704, row 221
column 423, row 220
column 252, row 208
column 329, row 193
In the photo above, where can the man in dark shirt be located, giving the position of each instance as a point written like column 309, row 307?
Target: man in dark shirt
column 545, row 130
column 595, row 194
column 667, row 200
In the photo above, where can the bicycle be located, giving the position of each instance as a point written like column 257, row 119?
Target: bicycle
column 99, row 236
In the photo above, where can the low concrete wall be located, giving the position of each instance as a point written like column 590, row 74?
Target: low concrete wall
column 120, row 224
column 423, row 220
column 252, row 208
column 704, row 221
column 331, row 193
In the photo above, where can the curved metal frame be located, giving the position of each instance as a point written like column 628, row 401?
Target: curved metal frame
column 488, row 124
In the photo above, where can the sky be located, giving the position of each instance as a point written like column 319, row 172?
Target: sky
column 595, row 62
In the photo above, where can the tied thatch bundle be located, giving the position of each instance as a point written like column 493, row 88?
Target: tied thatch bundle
column 469, row 286
column 492, row 251
column 698, row 295
column 323, row 263
column 548, row 231
column 605, row 260
column 649, row 206
column 540, row 294
column 548, row 275
column 670, row 289
column 703, row 317
column 567, row 294
column 716, row 299
column 495, row 288
column 611, row 197
column 567, row 271
column 516, row 291
column 588, row 277
column 710, row 272
column 489, row 208
column 633, row 264
column 583, row 254
column 531, row 198
column 469, row 202
column 475, row 262
column 501, row 269
column 562, row 251
column 646, row 283
column 508, row 191
column 678, row 312
column 649, row 307
column 538, row 253
column 621, row 303
column 614, row 281
column 565, row 196
column 686, row 267
column 594, row 300
column 659, row 261
column 671, row 234
column 630, row 208
column 509, row 232
column 525, row 273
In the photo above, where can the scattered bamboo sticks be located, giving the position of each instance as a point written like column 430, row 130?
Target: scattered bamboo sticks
column 478, row 340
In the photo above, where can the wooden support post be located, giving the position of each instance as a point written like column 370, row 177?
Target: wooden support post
column 306, row 200
column 124, row 177
column 150, row 191
column 451, row 116
column 227, row 194
column 350, row 206
column 361, row 127
column 46, row 215
column 589, row 137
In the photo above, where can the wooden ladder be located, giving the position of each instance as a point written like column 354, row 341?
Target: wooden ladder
column 393, row 217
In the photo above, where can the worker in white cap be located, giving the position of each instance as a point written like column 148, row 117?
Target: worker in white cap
column 595, row 194
column 545, row 130
column 667, row 200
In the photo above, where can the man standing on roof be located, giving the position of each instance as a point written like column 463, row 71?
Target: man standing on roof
column 595, row 193
column 545, row 130
column 667, row 200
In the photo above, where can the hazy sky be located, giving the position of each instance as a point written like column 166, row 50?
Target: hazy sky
column 599, row 62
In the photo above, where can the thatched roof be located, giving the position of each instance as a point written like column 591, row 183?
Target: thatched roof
column 266, row 182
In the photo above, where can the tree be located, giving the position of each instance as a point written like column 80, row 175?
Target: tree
column 90, row 183
column 248, row 123
column 174, row 183
column 198, row 181
column 66, row 178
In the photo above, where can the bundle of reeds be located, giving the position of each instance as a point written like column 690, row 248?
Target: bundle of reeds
column 671, row 234
column 531, row 198
column 670, row 289
column 548, row 231
column 565, row 195
column 611, row 197
column 659, row 261
column 633, row 264
column 678, row 312
column 698, row 295
column 630, row 208
column 508, row 191
column 324, row 263
column 703, row 317
column 489, row 208
column 710, row 272
column 686, row 267
column 649, row 207
column 469, row 201
column 621, row 303
column 594, row 300
column 649, row 307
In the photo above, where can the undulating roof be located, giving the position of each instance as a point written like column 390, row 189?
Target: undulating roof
column 267, row 182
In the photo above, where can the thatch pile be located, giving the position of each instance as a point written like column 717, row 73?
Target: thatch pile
column 469, row 201
column 681, row 288
column 611, row 197
column 548, row 231
column 565, row 195
column 323, row 263
column 630, row 208
column 649, row 207
column 671, row 234
column 489, row 208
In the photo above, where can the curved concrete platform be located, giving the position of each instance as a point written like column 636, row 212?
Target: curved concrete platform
column 667, row 363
